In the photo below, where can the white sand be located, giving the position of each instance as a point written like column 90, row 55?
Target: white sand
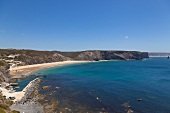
column 8, row 93
column 18, row 95
column 46, row 65
column 17, row 71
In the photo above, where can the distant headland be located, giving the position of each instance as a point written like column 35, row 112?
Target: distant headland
column 158, row 54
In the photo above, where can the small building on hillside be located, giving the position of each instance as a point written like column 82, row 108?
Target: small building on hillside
column 13, row 65
column 11, row 56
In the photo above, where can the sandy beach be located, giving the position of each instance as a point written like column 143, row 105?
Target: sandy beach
column 8, row 93
column 18, row 72
column 21, row 96
column 18, row 95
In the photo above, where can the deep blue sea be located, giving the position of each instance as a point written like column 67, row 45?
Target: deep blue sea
column 110, row 86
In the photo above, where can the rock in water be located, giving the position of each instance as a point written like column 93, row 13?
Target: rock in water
column 46, row 87
column 139, row 99
column 130, row 111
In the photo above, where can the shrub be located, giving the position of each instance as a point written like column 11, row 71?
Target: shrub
column 1, row 63
column 4, row 106
column 2, row 111
column 14, row 111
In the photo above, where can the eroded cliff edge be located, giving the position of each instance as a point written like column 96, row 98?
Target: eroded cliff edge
column 13, row 57
column 105, row 55
column 4, row 74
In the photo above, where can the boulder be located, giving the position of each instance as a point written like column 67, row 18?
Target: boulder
column 45, row 87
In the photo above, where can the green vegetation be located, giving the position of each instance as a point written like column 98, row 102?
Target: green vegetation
column 18, row 58
column 70, row 54
column 5, row 104
column 1, row 63
column 2, row 111
column 14, row 111
column 32, row 53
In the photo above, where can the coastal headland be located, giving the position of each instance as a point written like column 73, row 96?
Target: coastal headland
column 20, row 63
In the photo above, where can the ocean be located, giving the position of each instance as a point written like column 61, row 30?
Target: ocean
column 142, row 86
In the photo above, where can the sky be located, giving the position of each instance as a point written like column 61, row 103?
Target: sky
column 75, row 25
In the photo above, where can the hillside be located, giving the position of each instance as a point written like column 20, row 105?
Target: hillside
column 159, row 54
column 29, row 57
column 5, row 105
column 13, row 57
column 34, row 57
column 105, row 55
column 3, row 71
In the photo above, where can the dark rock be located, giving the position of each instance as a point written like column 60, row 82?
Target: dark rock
column 12, row 98
column 44, row 76
column 57, row 87
column 139, row 99
column 111, row 55
column 14, row 84
column 130, row 111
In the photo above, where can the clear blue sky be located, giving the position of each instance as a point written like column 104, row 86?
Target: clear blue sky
column 70, row 25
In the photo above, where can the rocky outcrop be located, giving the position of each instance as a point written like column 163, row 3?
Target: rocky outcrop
column 2, row 76
column 84, row 55
column 111, row 55
column 45, row 87
column 29, row 57
column 4, row 72
column 153, row 54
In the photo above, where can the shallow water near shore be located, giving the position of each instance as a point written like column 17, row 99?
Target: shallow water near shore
column 111, row 86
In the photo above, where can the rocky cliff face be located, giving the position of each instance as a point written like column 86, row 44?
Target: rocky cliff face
column 28, row 60
column 29, row 57
column 111, row 55
column 159, row 54
column 4, row 72
column 84, row 55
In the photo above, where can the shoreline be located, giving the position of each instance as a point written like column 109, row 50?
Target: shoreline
column 19, row 94
column 20, row 97
column 28, row 103
column 24, row 71
column 21, row 71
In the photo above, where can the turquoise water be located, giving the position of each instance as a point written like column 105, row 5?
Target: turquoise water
column 112, row 86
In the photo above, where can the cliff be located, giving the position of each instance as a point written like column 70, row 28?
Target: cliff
column 154, row 54
column 37, row 57
column 3, row 71
column 106, row 55
column 29, row 57
column 28, row 60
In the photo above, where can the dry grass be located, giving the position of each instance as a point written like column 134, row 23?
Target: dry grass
column 5, row 104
